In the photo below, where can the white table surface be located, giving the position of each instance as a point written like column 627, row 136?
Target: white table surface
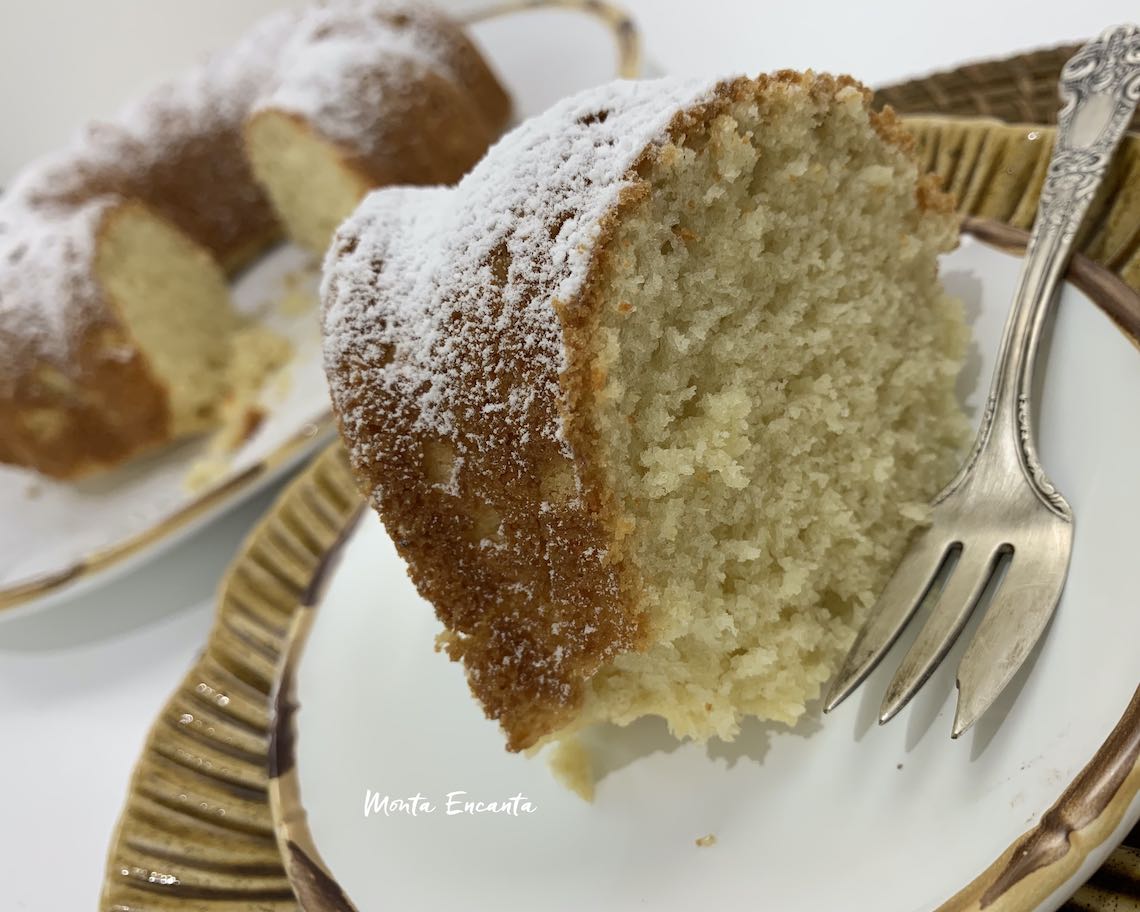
column 80, row 683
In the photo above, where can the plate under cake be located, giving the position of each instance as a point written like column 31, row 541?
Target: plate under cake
column 864, row 805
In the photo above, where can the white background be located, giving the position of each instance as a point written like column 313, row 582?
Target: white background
column 64, row 61
column 81, row 682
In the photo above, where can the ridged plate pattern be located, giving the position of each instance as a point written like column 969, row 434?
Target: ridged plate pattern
column 197, row 831
column 1021, row 89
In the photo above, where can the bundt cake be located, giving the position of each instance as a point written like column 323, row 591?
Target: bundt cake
column 116, row 329
column 651, row 401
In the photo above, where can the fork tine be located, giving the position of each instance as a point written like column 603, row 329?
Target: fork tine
column 897, row 603
column 947, row 618
column 1014, row 621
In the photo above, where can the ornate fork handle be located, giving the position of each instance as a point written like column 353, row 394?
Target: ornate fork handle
column 1099, row 88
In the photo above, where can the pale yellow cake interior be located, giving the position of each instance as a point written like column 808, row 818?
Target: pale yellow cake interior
column 778, row 405
column 173, row 297
column 174, row 301
column 308, row 180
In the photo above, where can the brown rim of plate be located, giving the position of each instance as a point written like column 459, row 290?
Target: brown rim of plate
column 102, row 559
column 313, row 882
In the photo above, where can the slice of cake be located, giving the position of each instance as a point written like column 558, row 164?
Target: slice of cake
column 652, row 400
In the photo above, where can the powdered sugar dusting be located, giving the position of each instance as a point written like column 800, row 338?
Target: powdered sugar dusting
column 45, row 275
column 443, row 301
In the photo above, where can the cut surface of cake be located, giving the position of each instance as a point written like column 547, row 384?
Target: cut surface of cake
column 653, row 399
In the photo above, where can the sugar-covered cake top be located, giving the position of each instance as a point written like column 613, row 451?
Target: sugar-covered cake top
column 425, row 274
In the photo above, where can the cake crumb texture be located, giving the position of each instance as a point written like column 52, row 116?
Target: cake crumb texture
column 778, row 403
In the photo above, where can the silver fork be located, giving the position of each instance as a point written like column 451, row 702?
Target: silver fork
column 1001, row 504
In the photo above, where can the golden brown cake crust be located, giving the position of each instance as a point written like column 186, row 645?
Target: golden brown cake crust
column 76, row 394
column 464, row 381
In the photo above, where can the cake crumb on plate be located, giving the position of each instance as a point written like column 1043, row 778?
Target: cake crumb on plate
column 570, row 762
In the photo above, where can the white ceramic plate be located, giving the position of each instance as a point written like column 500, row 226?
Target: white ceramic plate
column 58, row 537
column 836, row 814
